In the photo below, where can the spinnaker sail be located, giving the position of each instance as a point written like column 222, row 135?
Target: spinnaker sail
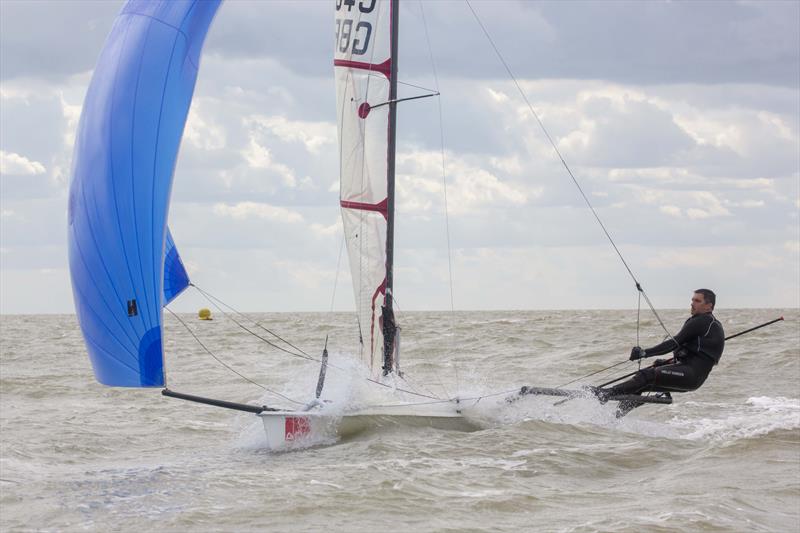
column 366, row 85
column 175, row 277
column 125, row 152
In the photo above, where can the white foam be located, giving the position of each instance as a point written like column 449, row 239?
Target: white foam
column 758, row 416
column 347, row 388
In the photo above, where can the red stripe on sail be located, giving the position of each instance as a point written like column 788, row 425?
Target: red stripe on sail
column 380, row 207
column 384, row 68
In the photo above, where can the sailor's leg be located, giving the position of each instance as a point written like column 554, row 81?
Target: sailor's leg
column 638, row 383
column 678, row 377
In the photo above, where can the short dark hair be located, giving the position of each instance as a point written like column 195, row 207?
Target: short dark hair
column 708, row 296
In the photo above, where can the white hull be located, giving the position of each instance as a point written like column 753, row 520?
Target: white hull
column 287, row 429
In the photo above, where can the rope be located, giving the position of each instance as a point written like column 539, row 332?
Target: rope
column 638, row 314
column 220, row 361
column 336, row 278
column 476, row 399
column 214, row 299
column 303, row 355
column 419, row 86
column 564, row 163
column 592, row 374
column 446, row 206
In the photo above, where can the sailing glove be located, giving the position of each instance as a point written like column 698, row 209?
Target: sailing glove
column 637, row 353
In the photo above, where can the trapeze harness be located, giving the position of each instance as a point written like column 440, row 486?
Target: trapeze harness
column 697, row 348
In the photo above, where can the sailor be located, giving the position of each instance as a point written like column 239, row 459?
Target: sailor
column 696, row 348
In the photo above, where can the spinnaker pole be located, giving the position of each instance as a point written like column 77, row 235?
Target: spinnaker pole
column 389, row 327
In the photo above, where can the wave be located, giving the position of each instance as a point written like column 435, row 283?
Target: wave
column 758, row 416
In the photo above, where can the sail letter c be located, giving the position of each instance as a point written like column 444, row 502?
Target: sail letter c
column 361, row 50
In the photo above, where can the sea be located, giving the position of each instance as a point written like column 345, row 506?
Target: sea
column 79, row 456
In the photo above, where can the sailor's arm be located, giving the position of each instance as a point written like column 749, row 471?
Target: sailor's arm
column 692, row 328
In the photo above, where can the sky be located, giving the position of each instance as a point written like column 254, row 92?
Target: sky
column 680, row 120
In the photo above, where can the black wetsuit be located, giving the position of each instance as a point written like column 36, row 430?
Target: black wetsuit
column 699, row 347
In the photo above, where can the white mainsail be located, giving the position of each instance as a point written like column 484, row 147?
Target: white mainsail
column 365, row 91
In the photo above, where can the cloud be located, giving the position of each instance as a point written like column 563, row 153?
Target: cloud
column 15, row 164
column 260, row 157
column 245, row 210
column 711, row 206
column 72, row 114
column 323, row 230
column 470, row 187
column 694, row 205
column 53, row 39
column 680, row 121
column 201, row 131
column 312, row 135
column 747, row 204
column 306, row 274
column 671, row 210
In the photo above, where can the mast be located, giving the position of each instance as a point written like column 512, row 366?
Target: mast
column 389, row 327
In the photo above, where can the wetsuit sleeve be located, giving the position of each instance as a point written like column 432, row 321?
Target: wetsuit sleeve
column 694, row 327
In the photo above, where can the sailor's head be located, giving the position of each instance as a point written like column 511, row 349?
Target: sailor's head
column 703, row 301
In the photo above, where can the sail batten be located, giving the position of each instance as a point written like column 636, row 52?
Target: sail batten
column 384, row 68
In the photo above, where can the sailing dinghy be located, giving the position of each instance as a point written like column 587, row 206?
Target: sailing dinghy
column 365, row 70
column 125, row 267
column 124, row 264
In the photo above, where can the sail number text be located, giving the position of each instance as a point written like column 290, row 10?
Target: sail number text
column 351, row 35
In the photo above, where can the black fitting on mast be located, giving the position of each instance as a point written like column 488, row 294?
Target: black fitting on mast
column 389, row 330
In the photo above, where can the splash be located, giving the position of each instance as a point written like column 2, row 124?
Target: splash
column 757, row 417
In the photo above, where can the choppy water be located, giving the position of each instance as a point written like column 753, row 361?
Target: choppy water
column 78, row 456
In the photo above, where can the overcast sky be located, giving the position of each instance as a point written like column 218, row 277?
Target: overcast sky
column 681, row 120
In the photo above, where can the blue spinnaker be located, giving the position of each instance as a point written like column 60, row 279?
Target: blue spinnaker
column 125, row 152
column 175, row 277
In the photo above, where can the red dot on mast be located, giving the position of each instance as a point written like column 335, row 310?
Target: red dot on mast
column 363, row 110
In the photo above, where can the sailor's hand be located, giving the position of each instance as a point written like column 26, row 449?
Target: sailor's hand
column 662, row 362
column 637, row 353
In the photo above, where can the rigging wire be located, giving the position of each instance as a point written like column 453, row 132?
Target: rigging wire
column 592, row 374
column 444, row 172
column 220, row 361
column 444, row 189
column 564, row 163
column 476, row 399
column 336, row 277
column 400, row 317
column 638, row 317
column 301, row 355
column 436, row 91
column 213, row 299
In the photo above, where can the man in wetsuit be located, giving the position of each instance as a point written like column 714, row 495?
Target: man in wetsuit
column 697, row 347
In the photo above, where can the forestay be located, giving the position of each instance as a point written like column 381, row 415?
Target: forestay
column 363, row 72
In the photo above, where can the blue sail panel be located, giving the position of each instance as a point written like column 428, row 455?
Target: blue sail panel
column 175, row 277
column 126, row 147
